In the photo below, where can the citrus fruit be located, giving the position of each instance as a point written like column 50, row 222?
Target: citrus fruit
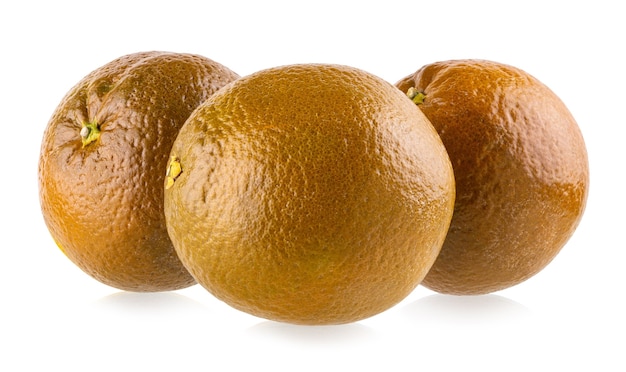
column 309, row 194
column 101, row 165
column 520, row 166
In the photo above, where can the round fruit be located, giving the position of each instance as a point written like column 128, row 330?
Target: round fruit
column 102, row 160
column 520, row 166
column 309, row 194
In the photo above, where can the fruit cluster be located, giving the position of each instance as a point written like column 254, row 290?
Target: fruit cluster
column 311, row 193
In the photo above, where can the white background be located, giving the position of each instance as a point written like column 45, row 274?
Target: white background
column 570, row 316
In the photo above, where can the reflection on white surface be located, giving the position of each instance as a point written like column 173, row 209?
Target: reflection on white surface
column 312, row 334
column 466, row 310
column 147, row 304
column 137, row 301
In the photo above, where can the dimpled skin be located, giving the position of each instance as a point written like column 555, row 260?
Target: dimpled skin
column 521, row 172
column 103, row 203
column 309, row 194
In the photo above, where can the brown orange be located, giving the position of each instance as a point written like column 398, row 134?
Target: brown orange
column 102, row 160
column 309, row 194
column 520, row 166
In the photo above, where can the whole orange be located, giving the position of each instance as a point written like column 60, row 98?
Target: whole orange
column 309, row 194
column 101, row 165
column 521, row 171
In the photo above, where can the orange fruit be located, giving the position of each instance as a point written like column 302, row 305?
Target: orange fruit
column 101, row 165
column 520, row 166
column 309, row 194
